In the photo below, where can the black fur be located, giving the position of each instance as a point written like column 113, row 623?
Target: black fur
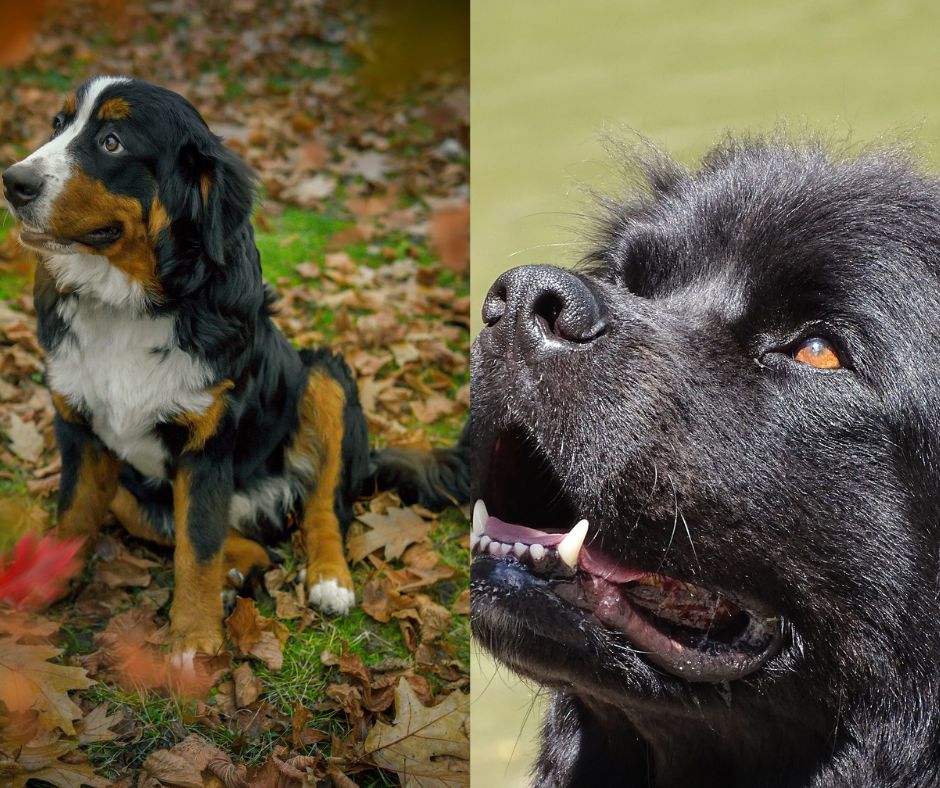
column 209, row 281
column 814, row 492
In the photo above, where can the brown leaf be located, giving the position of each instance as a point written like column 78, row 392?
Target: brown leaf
column 247, row 685
column 450, row 236
column 25, row 440
column 48, row 757
column 29, row 680
column 427, row 746
column 461, row 606
column 432, row 409
column 97, row 725
column 253, row 635
column 394, row 531
column 182, row 766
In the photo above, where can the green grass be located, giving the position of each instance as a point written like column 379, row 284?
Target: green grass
column 298, row 236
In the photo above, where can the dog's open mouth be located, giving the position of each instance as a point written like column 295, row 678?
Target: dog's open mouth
column 689, row 631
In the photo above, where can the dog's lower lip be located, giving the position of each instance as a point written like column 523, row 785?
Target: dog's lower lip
column 686, row 630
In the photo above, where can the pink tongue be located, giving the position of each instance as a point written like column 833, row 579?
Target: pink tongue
column 591, row 561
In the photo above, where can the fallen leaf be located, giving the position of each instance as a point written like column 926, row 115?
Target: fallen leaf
column 427, row 746
column 183, row 765
column 29, row 681
column 97, row 724
column 25, row 440
column 253, row 635
column 394, row 531
column 247, row 685
column 450, row 236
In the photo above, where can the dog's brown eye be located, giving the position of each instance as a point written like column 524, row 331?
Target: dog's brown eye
column 818, row 353
column 112, row 144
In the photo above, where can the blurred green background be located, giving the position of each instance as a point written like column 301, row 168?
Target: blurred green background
column 548, row 78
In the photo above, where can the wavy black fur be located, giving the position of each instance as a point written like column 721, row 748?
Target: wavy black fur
column 815, row 492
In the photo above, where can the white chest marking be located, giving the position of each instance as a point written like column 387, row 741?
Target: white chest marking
column 126, row 370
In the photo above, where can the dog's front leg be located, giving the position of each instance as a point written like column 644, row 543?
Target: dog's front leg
column 89, row 477
column 202, row 493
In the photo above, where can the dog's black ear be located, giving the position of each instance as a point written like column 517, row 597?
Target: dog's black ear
column 208, row 193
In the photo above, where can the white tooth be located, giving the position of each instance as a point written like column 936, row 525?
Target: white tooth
column 519, row 549
column 570, row 546
column 480, row 516
column 494, row 549
column 537, row 551
column 474, row 541
column 484, row 541
column 505, row 549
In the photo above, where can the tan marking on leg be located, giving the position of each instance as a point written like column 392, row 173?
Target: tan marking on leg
column 97, row 482
column 321, row 419
column 202, row 426
column 114, row 109
column 196, row 612
column 243, row 554
column 134, row 519
column 65, row 410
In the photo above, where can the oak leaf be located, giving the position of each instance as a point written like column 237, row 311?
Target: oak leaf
column 28, row 680
column 427, row 746
column 394, row 531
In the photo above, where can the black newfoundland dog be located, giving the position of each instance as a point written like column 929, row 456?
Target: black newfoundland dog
column 708, row 471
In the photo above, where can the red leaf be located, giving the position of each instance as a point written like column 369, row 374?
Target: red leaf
column 38, row 570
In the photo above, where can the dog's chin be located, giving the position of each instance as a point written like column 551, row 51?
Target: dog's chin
column 555, row 607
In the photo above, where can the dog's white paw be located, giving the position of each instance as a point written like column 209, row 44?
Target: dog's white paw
column 332, row 598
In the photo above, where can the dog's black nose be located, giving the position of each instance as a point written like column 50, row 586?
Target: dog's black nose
column 21, row 185
column 544, row 310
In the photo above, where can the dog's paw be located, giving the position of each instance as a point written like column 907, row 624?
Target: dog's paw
column 330, row 596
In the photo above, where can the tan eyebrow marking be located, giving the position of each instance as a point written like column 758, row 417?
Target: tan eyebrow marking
column 114, row 109
column 70, row 105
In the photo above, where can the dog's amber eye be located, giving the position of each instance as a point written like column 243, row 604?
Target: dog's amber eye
column 112, row 144
column 818, row 353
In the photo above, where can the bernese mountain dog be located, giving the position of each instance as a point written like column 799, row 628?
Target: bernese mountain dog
column 180, row 407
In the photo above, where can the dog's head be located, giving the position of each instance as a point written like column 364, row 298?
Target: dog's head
column 131, row 186
column 738, row 393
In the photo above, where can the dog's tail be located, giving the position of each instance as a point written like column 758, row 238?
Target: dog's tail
column 435, row 479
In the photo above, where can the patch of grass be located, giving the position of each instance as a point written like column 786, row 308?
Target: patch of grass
column 297, row 236
column 12, row 286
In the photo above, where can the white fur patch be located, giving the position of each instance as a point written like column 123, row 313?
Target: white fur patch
column 271, row 498
column 93, row 275
column 332, row 598
column 127, row 371
column 54, row 161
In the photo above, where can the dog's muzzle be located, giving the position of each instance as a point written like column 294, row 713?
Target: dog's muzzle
column 21, row 185
column 541, row 310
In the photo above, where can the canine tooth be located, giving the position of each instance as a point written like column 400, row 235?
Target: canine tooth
column 480, row 516
column 537, row 551
column 519, row 549
column 570, row 546
column 484, row 543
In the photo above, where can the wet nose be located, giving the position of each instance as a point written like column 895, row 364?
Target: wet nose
column 542, row 310
column 21, row 185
